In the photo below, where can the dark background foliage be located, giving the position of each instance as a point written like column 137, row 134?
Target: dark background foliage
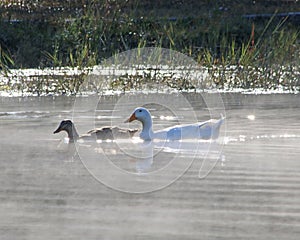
column 42, row 33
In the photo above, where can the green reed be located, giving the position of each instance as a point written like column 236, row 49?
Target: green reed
column 5, row 61
column 236, row 51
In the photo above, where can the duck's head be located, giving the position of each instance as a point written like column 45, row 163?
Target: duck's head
column 65, row 125
column 141, row 114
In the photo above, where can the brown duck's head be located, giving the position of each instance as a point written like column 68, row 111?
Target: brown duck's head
column 65, row 125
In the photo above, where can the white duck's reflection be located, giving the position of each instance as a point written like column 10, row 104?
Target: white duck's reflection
column 148, row 156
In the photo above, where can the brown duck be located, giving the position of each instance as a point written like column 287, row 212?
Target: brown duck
column 103, row 133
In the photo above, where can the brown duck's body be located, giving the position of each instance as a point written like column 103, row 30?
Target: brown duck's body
column 113, row 132
column 104, row 133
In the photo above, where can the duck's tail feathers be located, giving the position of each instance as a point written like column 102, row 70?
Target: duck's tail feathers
column 217, row 126
column 222, row 119
column 222, row 116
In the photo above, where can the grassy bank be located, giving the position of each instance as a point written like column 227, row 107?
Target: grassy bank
column 215, row 34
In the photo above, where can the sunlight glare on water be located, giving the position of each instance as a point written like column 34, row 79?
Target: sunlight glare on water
column 251, row 117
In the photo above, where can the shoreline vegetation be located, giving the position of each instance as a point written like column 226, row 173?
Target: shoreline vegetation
column 236, row 48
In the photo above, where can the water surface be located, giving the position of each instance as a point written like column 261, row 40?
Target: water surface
column 252, row 192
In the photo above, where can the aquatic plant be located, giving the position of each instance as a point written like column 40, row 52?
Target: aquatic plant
column 236, row 51
column 5, row 61
column 262, row 62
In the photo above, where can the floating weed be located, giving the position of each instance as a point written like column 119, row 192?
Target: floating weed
column 155, row 78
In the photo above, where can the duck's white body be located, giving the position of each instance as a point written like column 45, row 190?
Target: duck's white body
column 202, row 130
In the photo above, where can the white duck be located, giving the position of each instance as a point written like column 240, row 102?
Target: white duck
column 201, row 130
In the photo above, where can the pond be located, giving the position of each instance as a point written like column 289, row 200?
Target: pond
column 248, row 186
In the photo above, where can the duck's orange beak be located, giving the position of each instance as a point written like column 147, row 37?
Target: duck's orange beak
column 131, row 118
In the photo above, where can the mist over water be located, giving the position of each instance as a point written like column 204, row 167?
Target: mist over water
column 251, row 193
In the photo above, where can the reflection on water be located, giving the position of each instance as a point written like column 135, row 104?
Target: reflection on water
column 146, row 157
column 251, row 193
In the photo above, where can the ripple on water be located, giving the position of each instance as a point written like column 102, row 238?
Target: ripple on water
column 252, row 193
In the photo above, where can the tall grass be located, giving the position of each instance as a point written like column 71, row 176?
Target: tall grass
column 268, row 59
column 5, row 61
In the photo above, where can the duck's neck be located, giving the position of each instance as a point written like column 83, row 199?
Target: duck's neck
column 147, row 132
column 72, row 133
